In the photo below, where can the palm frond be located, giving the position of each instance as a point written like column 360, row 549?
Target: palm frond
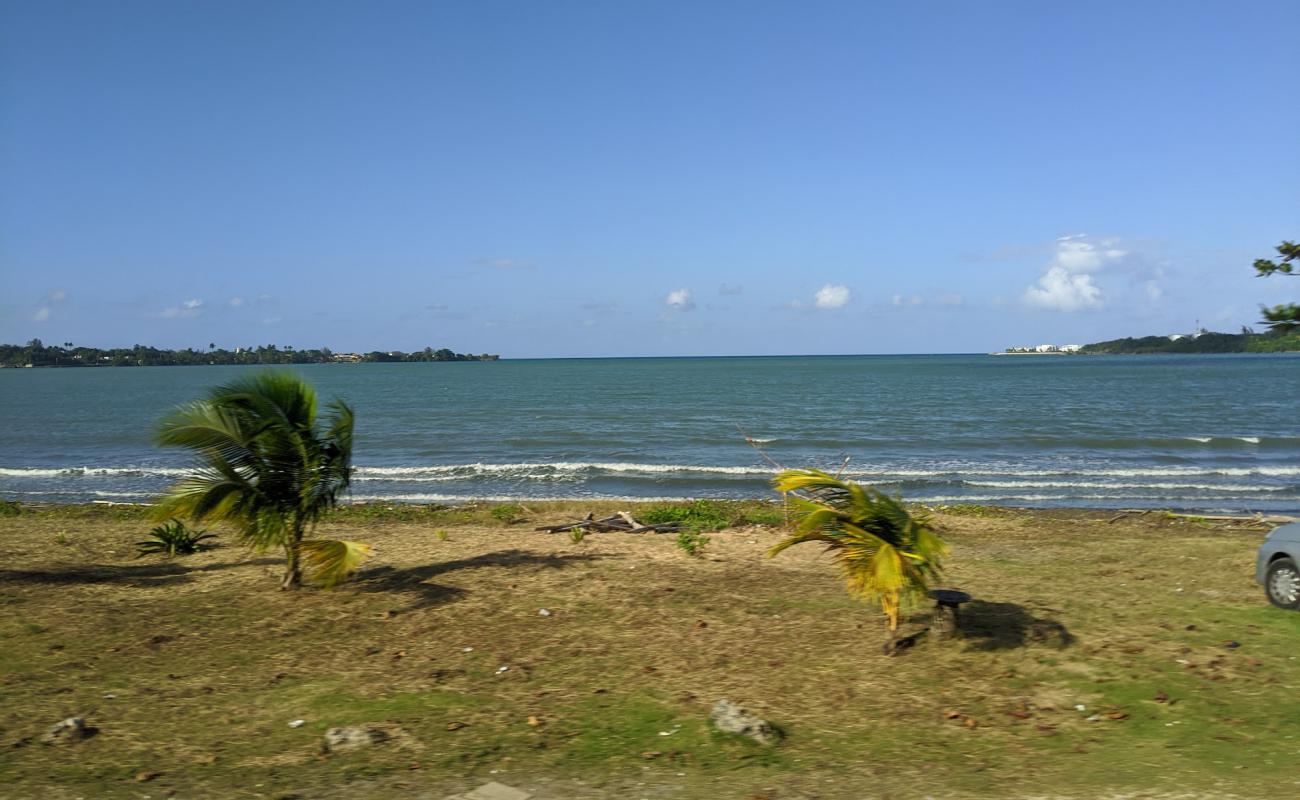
column 331, row 561
column 885, row 554
column 266, row 466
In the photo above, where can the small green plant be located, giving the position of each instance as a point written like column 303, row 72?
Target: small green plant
column 692, row 542
column 507, row 514
column 766, row 515
column 576, row 535
column 441, row 535
column 172, row 539
column 61, row 538
column 10, row 508
column 699, row 515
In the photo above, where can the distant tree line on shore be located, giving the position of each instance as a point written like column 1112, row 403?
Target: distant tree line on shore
column 1274, row 341
column 37, row 354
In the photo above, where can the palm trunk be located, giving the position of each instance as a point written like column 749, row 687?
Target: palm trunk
column 293, row 559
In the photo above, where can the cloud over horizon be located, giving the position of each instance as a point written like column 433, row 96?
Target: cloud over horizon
column 832, row 296
column 189, row 308
column 680, row 300
column 1068, row 284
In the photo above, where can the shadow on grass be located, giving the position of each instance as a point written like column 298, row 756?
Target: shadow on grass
column 413, row 580
column 165, row 573
column 1007, row 626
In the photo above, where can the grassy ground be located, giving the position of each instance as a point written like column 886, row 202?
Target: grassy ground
column 193, row 668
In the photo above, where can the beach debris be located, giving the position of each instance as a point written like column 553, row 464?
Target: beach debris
column 1232, row 645
column 543, row 612
column 503, row 668
column 353, row 737
column 455, row 726
column 146, row 776
column 297, row 723
column 467, row 649
column 731, row 718
column 67, row 731
column 622, row 521
column 534, row 721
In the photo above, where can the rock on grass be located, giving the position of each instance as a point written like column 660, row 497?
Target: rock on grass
column 731, row 718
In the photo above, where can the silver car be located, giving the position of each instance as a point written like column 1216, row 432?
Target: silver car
column 1278, row 566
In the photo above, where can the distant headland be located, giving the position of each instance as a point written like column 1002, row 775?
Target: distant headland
column 36, row 354
column 1202, row 341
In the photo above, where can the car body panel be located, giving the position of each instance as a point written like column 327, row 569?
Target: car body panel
column 1284, row 541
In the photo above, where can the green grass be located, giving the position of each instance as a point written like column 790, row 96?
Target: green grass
column 208, row 663
column 712, row 515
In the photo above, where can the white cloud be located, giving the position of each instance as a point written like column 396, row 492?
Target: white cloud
column 236, row 302
column 728, row 289
column 680, row 300
column 1153, row 290
column 1068, row 283
column 832, row 296
column 1060, row 290
column 950, row 299
column 189, row 308
column 55, row 297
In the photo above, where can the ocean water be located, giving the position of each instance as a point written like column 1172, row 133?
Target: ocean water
column 1198, row 433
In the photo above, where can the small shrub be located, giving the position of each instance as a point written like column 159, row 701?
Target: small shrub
column 692, row 542
column 576, row 535
column 441, row 535
column 172, row 538
column 762, row 515
column 61, row 538
column 700, row 515
column 10, row 508
column 507, row 513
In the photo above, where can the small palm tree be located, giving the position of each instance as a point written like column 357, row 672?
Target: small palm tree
column 267, row 468
column 887, row 556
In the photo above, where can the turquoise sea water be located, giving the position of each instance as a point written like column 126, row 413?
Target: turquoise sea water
column 1202, row 433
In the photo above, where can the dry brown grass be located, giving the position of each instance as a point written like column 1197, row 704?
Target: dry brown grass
column 207, row 663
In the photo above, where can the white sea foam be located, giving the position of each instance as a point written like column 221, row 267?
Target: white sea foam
column 74, row 472
column 578, row 469
column 1217, row 487
column 501, row 498
column 549, row 468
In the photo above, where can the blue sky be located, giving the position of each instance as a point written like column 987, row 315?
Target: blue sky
column 659, row 178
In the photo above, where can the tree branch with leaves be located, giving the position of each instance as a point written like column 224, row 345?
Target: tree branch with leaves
column 1283, row 317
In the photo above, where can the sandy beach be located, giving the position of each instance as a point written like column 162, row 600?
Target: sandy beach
column 1102, row 656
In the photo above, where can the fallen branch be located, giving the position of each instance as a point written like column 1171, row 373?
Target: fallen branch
column 620, row 522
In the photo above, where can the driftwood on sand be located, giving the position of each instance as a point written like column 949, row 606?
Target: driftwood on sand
column 622, row 521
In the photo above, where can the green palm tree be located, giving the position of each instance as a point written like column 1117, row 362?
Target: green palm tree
column 267, row 468
column 887, row 556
